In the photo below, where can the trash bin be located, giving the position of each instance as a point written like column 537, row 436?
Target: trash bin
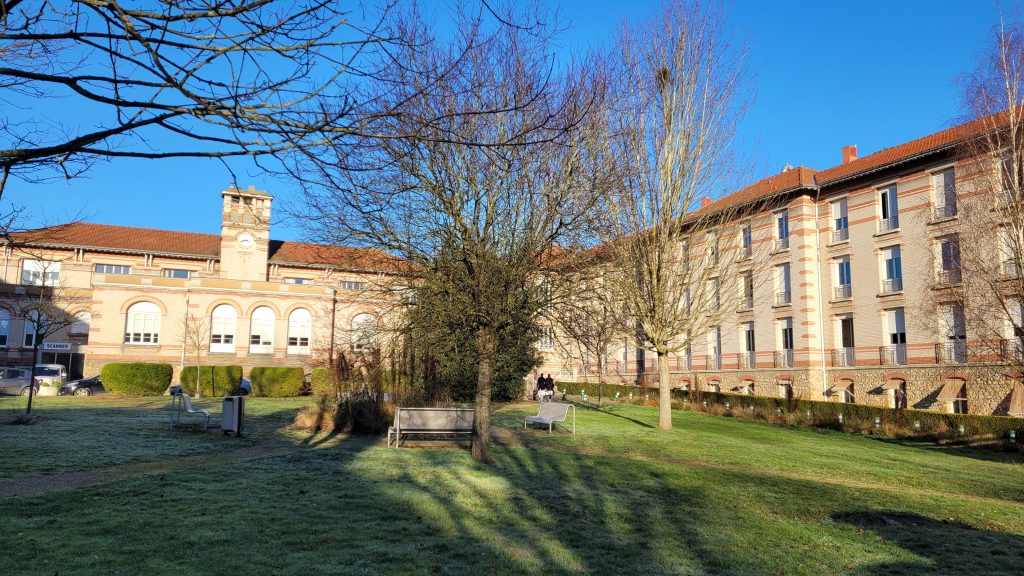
column 232, row 414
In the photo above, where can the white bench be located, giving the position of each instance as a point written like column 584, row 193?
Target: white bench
column 410, row 421
column 551, row 412
column 180, row 401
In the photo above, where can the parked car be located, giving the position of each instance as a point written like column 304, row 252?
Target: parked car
column 51, row 374
column 16, row 381
column 83, row 387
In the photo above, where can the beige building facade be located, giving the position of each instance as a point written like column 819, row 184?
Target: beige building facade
column 841, row 291
column 237, row 298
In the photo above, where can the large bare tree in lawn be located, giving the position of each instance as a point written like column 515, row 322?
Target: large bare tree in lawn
column 486, row 171
column 179, row 78
column 675, row 88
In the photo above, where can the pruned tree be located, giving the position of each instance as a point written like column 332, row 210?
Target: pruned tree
column 181, row 78
column 484, row 173
column 43, row 299
column 675, row 103
column 195, row 339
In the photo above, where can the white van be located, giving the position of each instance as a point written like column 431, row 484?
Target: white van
column 51, row 374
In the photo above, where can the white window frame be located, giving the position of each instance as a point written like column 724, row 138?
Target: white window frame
column 142, row 324
column 120, row 269
column 261, row 331
column 33, row 271
column 300, row 328
column 223, row 328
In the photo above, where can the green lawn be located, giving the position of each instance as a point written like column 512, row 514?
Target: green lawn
column 100, row 486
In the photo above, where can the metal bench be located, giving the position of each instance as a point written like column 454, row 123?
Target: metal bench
column 551, row 412
column 182, row 401
column 409, row 421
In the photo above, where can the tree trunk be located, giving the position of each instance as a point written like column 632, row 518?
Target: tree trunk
column 486, row 344
column 664, row 393
column 32, row 378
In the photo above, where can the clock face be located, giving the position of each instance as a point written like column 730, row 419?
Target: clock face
column 246, row 240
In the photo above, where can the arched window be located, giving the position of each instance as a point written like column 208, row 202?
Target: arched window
column 5, row 327
column 222, row 328
column 81, row 324
column 142, row 325
column 364, row 332
column 299, row 325
column 35, row 321
column 261, row 334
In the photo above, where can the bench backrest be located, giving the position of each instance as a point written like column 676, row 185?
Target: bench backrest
column 186, row 401
column 553, row 410
column 434, row 419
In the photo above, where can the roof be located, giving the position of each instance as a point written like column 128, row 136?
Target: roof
column 786, row 181
column 104, row 237
column 932, row 143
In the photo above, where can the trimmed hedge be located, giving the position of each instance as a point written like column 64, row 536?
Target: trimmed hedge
column 276, row 381
column 828, row 412
column 137, row 378
column 217, row 380
column 322, row 382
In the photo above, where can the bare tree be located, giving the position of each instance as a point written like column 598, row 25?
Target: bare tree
column 195, row 336
column 978, row 269
column 676, row 88
column 484, row 175
column 44, row 300
column 211, row 79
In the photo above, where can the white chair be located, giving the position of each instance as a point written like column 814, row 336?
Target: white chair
column 179, row 401
column 551, row 412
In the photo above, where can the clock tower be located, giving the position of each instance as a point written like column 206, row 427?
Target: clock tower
column 245, row 234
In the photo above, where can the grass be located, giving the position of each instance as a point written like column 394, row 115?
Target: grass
column 713, row 496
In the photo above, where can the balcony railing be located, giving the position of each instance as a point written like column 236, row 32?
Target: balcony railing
column 951, row 352
column 714, row 362
column 747, row 303
column 951, row 276
column 844, row 357
column 783, row 298
column 943, row 211
column 782, row 244
column 892, row 285
column 893, row 355
column 684, row 363
column 1012, row 350
column 1011, row 269
column 746, row 252
column 783, row 358
column 747, row 359
column 888, row 224
column 841, row 235
column 843, row 291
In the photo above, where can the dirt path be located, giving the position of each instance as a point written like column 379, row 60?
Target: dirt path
column 43, row 483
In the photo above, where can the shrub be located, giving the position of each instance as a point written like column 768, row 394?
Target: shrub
column 322, row 382
column 216, row 380
column 137, row 378
column 276, row 381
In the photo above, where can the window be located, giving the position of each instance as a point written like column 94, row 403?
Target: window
column 300, row 324
column 81, row 323
column 847, row 393
column 949, row 260
column 261, row 331
column 782, row 230
column 40, row 272
column 364, row 332
column 178, row 273
column 547, row 341
column 893, row 270
column 945, row 193
column 783, row 293
column 890, row 209
column 714, row 295
column 845, row 354
column 715, row 348
column 294, row 280
column 843, row 278
column 142, row 325
column 747, row 357
column 784, row 356
column 896, row 351
column 112, row 269
column 355, row 286
column 712, row 240
column 746, row 240
column 954, row 329
column 5, row 327
column 223, row 322
column 746, row 290
column 840, row 221
column 35, row 322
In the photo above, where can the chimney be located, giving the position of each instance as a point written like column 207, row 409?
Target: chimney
column 705, row 202
column 849, row 153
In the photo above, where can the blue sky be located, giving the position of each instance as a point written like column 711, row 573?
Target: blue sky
column 825, row 74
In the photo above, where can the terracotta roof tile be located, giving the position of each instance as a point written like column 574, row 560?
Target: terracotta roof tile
column 793, row 179
column 195, row 245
